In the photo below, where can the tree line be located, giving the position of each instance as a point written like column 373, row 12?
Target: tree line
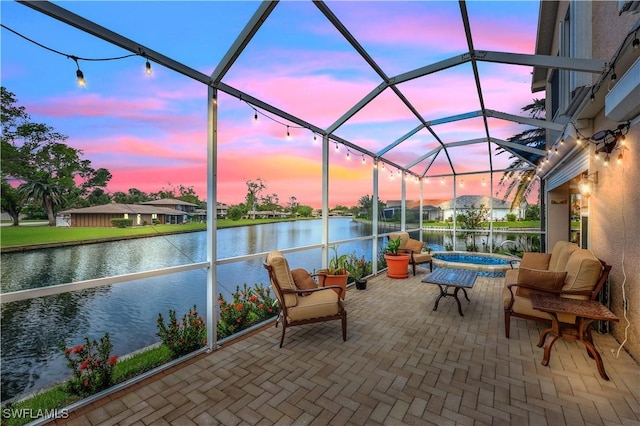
column 40, row 175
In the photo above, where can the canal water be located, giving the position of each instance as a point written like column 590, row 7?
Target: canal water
column 32, row 329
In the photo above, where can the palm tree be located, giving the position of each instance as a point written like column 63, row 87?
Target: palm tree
column 43, row 193
column 521, row 181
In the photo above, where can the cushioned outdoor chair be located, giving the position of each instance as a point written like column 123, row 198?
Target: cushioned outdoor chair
column 414, row 248
column 301, row 302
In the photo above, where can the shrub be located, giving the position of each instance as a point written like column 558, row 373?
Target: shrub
column 91, row 364
column 121, row 223
column 183, row 337
column 249, row 306
column 511, row 217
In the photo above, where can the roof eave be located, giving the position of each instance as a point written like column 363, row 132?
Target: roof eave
column 544, row 42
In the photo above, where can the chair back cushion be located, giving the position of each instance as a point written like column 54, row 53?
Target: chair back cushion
column 303, row 281
column 533, row 260
column 414, row 245
column 560, row 255
column 282, row 275
column 404, row 236
column 583, row 271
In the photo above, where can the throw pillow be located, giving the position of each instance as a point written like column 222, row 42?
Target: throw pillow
column 414, row 245
column 544, row 280
column 303, row 280
column 535, row 260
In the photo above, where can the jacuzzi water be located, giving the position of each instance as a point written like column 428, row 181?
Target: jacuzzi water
column 470, row 258
column 485, row 264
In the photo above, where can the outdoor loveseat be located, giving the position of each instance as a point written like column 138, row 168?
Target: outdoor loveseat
column 568, row 271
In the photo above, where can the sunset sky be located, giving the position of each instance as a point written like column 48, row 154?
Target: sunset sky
column 150, row 131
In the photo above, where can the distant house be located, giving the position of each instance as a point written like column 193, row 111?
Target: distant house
column 167, row 211
column 429, row 212
column 462, row 204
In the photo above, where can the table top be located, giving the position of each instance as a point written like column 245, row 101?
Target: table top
column 451, row 276
column 591, row 309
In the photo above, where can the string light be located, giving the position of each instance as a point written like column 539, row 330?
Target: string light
column 288, row 134
column 348, row 156
column 255, row 117
column 484, row 182
column 79, row 75
column 442, row 181
column 461, row 183
column 364, row 160
column 337, row 147
column 147, row 67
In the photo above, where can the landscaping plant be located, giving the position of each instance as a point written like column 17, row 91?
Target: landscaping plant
column 91, row 364
column 182, row 337
column 248, row 307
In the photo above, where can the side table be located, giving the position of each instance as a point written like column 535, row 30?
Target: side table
column 586, row 311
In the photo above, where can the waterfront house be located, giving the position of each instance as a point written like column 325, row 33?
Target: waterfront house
column 497, row 208
column 165, row 211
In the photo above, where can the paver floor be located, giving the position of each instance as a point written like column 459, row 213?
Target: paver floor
column 402, row 363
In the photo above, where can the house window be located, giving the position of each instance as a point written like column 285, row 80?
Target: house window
column 574, row 41
column 126, row 215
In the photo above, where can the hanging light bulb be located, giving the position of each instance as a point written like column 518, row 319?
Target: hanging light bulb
column 442, row 181
column 348, row 156
column 578, row 140
column 592, row 97
column 555, row 151
column 382, row 166
column 255, row 118
column 562, row 141
column 484, row 182
column 364, row 160
column 288, row 134
column 636, row 42
column 426, row 180
column 79, row 75
column 620, row 158
column 147, row 67
column 337, row 148
column 596, row 156
column 461, row 183
column 614, row 76
column 606, row 160
column 315, row 139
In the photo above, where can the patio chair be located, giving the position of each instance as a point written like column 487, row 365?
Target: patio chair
column 306, row 305
column 414, row 248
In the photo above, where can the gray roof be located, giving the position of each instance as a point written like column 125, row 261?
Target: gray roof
column 117, row 208
column 169, row 202
column 475, row 200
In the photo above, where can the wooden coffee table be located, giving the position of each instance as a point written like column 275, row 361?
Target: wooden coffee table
column 586, row 311
column 451, row 277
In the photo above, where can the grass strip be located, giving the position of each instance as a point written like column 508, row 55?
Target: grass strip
column 56, row 398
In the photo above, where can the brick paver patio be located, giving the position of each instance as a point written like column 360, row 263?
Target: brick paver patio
column 403, row 363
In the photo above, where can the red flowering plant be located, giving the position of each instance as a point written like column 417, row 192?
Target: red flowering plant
column 92, row 365
column 182, row 337
column 249, row 306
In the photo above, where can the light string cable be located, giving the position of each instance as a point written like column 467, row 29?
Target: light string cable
column 77, row 58
column 256, row 111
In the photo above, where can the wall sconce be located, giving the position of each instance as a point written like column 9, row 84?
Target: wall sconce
column 587, row 182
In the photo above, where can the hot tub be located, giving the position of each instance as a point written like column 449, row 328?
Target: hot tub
column 486, row 264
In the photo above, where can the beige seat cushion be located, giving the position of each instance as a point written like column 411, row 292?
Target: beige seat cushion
column 422, row 257
column 283, row 274
column 316, row 305
column 522, row 305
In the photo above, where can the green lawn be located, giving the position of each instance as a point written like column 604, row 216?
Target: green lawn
column 18, row 236
column 11, row 236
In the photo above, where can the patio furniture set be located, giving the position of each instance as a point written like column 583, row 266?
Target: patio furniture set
column 560, row 288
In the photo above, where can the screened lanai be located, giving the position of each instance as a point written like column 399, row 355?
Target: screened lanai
column 329, row 101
